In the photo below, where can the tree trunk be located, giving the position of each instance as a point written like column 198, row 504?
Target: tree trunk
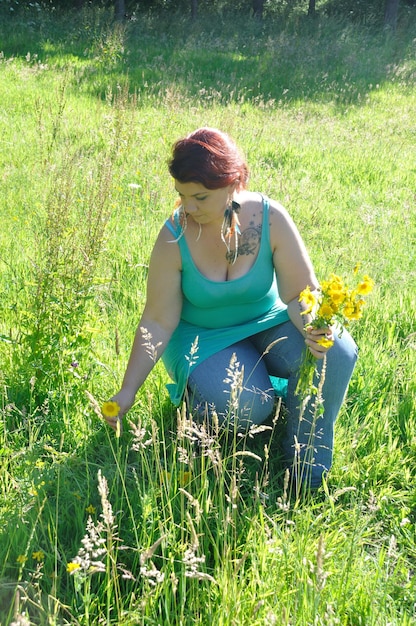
column 311, row 8
column 194, row 9
column 119, row 10
column 391, row 8
column 258, row 6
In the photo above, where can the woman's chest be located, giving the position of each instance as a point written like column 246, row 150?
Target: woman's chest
column 221, row 258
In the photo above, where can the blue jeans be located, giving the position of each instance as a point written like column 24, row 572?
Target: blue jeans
column 235, row 383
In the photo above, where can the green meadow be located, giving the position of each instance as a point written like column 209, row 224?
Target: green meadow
column 169, row 525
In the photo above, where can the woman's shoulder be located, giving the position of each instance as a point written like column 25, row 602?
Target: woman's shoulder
column 277, row 208
column 279, row 215
column 169, row 227
column 165, row 246
column 252, row 202
column 258, row 201
column 249, row 197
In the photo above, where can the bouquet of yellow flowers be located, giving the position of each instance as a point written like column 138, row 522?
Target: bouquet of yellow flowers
column 334, row 302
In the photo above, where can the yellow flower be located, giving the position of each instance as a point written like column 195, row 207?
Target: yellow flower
column 353, row 309
column 337, row 296
column 357, row 310
column 336, row 291
column 21, row 559
column 366, row 286
column 326, row 311
column 72, row 567
column 349, row 309
column 325, row 342
column 110, row 409
column 90, row 509
column 308, row 298
column 337, row 280
column 334, row 283
column 185, row 478
column 166, row 476
column 38, row 556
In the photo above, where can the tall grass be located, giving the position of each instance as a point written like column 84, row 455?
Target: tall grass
column 174, row 523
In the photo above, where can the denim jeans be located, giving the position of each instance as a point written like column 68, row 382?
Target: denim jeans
column 235, row 383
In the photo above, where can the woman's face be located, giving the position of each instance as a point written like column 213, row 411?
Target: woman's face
column 202, row 204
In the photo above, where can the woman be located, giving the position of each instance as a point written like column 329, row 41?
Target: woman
column 223, row 306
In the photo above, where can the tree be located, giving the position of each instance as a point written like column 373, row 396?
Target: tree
column 194, row 9
column 119, row 9
column 311, row 8
column 391, row 9
column 258, row 6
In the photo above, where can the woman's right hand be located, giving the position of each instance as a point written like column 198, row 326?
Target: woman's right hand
column 125, row 399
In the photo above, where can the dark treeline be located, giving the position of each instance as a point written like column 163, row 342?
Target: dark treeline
column 381, row 11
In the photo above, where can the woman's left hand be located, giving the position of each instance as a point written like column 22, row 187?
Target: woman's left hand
column 319, row 340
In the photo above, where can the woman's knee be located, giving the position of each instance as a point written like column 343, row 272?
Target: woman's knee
column 344, row 352
column 256, row 404
column 246, row 405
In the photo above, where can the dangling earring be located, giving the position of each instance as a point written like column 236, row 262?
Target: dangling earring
column 179, row 216
column 231, row 228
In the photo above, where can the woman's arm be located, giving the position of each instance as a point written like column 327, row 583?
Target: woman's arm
column 294, row 271
column 160, row 317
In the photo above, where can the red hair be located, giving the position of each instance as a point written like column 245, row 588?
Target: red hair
column 209, row 157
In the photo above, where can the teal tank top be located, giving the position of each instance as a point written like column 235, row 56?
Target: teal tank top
column 217, row 314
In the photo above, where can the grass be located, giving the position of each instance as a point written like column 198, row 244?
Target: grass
column 186, row 528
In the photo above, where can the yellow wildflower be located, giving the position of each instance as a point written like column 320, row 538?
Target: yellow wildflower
column 365, row 286
column 90, row 509
column 326, row 311
column 21, row 559
column 337, row 296
column 336, row 291
column 185, row 478
column 72, row 567
column 349, row 309
column 335, row 283
column 325, row 342
column 38, row 556
column 357, row 312
column 166, row 476
column 308, row 298
column 336, row 280
column 110, row 409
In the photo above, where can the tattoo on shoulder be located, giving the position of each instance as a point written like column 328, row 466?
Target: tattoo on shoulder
column 249, row 241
